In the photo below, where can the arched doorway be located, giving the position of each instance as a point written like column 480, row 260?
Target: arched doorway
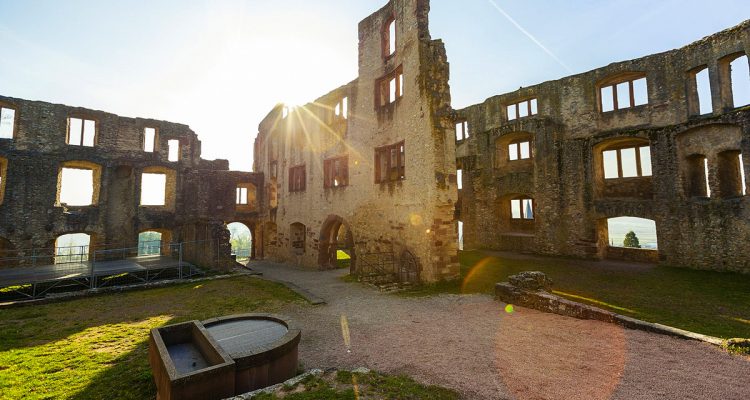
column 336, row 245
column 72, row 248
column 241, row 239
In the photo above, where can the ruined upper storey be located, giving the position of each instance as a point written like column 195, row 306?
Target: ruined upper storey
column 657, row 90
column 41, row 127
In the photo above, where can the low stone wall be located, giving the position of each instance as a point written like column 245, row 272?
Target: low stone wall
column 531, row 290
column 631, row 254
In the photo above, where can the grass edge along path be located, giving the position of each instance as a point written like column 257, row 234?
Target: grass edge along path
column 707, row 302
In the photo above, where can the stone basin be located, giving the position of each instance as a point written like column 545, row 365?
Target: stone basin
column 222, row 357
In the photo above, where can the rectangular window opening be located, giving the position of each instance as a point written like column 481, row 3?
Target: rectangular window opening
column 242, row 196
column 703, row 87
column 460, row 179
column 7, row 122
column 611, row 170
column 742, row 176
column 525, row 150
column 149, row 140
column 76, row 187
column 462, row 130
column 625, row 94
column 297, row 179
column 607, row 94
column 390, row 162
column 512, row 112
column 705, row 170
column 515, row 209
column 513, row 151
column 522, row 109
column 174, row 150
column 153, row 189
column 528, row 209
column 81, row 132
column 740, row 71
column 629, row 163
column 392, row 38
column 645, row 153
column 336, row 172
column 640, row 91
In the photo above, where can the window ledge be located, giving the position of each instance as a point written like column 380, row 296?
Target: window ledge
column 639, row 108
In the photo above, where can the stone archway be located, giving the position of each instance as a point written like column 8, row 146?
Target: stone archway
column 334, row 236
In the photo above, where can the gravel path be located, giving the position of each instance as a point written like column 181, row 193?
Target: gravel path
column 470, row 344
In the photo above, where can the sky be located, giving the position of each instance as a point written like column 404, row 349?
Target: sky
column 221, row 65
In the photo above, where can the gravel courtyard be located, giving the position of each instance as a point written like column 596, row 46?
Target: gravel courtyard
column 469, row 343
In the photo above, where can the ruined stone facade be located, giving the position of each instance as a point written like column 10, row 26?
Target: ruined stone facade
column 572, row 124
column 199, row 198
column 370, row 166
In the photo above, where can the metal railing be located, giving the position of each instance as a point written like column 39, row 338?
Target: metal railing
column 33, row 273
column 371, row 265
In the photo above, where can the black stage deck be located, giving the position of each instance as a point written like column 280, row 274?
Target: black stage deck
column 88, row 270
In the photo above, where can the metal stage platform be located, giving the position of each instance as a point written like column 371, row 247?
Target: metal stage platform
column 37, row 281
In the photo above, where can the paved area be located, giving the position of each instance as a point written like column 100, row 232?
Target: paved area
column 469, row 343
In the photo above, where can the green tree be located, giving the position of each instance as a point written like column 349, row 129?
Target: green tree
column 631, row 240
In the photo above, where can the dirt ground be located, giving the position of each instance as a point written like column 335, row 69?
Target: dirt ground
column 471, row 344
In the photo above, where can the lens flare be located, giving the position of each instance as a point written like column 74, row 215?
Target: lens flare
column 345, row 333
column 355, row 385
column 415, row 219
column 476, row 271
column 509, row 309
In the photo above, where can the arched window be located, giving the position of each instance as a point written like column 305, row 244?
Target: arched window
column 72, row 248
column 241, row 239
column 513, row 151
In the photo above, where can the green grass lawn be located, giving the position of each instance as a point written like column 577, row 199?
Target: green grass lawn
column 707, row 302
column 96, row 348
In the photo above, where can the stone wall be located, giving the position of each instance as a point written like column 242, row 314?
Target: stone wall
column 565, row 178
column 200, row 193
column 410, row 220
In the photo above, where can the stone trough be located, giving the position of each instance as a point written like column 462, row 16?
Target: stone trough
column 222, row 357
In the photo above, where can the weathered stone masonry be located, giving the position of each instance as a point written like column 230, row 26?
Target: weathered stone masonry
column 565, row 177
column 200, row 195
column 370, row 167
column 390, row 198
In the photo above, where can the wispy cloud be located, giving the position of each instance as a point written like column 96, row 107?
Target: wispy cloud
column 529, row 35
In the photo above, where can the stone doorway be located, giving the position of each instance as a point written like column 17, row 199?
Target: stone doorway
column 336, row 245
